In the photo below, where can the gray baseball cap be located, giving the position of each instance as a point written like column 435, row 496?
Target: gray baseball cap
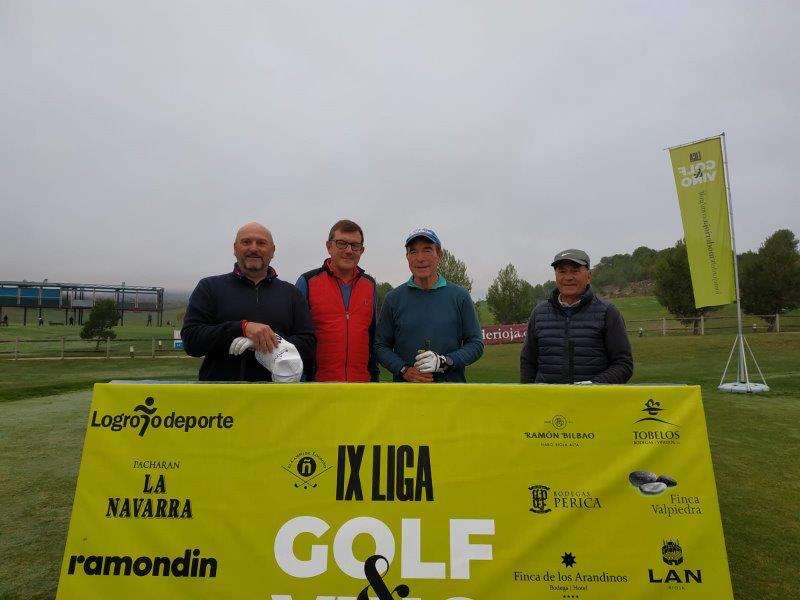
column 579, row 257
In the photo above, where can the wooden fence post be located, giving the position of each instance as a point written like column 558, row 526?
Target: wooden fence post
column 108, row 347
column 702, row 325
column 62, row 347
column 152, row 347
column 664, row 326
column 777, row 322
column 16, row 348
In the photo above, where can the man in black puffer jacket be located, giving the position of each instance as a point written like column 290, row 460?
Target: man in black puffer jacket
column 575, row 336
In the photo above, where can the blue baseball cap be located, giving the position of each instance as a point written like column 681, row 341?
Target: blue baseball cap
column 423, row 232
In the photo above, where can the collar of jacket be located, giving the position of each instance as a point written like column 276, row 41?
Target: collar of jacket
column 357, row 272
column 237, row 272
column 440, row 283
column 586, row 297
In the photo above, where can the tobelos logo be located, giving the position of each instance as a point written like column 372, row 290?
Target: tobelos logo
column 375, row 580
column 143, row 417
column 653, row 408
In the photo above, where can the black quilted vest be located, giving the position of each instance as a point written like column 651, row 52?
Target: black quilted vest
column 571, row 348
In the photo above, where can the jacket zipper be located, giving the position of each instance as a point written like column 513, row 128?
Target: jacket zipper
column 346, row 341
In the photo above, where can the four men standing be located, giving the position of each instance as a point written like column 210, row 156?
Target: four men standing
column 427, row 331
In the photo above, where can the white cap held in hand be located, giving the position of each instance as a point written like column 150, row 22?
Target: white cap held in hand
column 283, row 362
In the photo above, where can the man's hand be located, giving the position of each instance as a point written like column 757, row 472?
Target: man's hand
column 240, row 345
column 429, row 362
column 413, row 375
column 262, row 336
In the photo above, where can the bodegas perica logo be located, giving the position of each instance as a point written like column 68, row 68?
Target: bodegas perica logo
column 143, row 418
column 544, row 499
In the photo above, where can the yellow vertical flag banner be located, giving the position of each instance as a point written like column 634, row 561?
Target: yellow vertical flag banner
column 700, row 179
column 390, row 491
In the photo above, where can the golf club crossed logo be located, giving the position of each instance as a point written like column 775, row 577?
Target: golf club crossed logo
column 306, row 471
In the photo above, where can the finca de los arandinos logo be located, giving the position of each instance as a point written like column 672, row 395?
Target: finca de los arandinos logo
column 143, row 418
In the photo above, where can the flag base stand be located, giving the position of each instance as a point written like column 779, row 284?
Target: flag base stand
column 743, row 385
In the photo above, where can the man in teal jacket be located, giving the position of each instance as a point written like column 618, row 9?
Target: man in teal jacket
column 427, row 330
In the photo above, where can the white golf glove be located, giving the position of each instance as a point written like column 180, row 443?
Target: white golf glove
column 429, row 362
column 583, row 383
column 239, row 345
column 283, row 362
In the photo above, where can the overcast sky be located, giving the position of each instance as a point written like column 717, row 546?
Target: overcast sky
column 136, row 137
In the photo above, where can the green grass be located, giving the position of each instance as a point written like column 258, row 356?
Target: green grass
column 754, row 443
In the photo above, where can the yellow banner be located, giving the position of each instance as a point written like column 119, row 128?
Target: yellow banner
column 700, row 180
column 477, row 492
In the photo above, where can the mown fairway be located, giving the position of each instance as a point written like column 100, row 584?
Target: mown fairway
column 754, row 443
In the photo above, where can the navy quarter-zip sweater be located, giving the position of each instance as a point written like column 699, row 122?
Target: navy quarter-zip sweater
column 214, row 317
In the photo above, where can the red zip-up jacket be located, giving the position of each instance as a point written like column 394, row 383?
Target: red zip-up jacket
column 344, row 336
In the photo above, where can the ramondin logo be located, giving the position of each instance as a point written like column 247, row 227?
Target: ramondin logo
column 144, row 418
column 191, row 564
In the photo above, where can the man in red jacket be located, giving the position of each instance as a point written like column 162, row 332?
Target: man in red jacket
column 343, row 302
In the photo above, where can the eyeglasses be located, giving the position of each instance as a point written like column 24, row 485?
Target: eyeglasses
column 342, row 245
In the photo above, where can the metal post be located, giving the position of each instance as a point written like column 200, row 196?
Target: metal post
column 742, row 359
column 663, row 325
column 108, row 347
column 62, row 347
column 702, row 325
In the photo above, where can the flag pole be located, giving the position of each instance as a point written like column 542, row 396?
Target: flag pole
column 743, row 384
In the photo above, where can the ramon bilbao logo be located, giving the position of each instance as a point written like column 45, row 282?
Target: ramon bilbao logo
column 143, row 417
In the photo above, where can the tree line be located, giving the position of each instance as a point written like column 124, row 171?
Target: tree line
column 769, row 281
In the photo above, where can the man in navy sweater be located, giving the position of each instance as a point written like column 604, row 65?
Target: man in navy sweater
column 428, row 330
column 252, row 302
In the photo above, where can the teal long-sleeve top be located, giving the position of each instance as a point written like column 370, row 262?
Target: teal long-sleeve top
column 444, row 316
